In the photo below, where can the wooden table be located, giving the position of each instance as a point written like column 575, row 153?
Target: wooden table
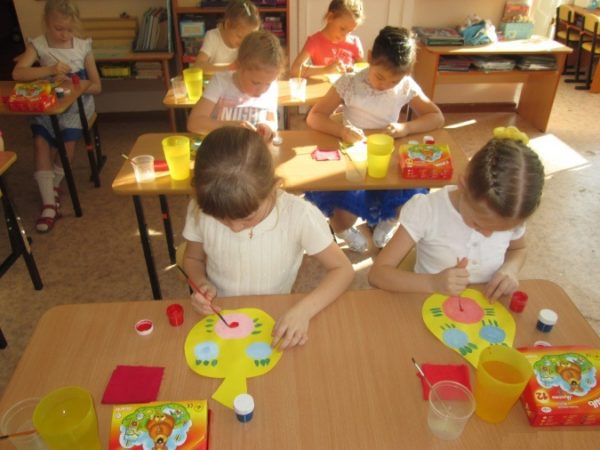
column 62, row 104
column 293, row 164
column 17, row 236
column 539, row 87
column 316, row 88
column 352, row 386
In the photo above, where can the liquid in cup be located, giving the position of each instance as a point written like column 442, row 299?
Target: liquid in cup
column 193, row 82
column 500, row 379
column 178, row 86
column 177, row 154
column 450, row 406
column 143, row 168
column 379, row 153
column 19, row 417
column 356, row 162
column 298, row 88
column 66, row 420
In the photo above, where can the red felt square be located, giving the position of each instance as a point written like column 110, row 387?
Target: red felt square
column 444, row 372
column 133, row 384
column 325, row 154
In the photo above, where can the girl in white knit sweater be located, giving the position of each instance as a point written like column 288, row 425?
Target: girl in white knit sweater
column 247, row 237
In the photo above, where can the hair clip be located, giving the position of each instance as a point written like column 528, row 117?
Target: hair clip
column 247, row 8
column 512, row 133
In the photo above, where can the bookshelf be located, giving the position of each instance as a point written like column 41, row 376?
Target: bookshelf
column 197, row 20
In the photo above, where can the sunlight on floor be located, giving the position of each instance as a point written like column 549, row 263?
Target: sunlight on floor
column 556, row 154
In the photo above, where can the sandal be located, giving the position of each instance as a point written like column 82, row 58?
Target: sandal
column 45, row 224
column 57, row 193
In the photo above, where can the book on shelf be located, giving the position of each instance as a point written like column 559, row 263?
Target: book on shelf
column 154, row 31
column 439, row 36
column 182, row 425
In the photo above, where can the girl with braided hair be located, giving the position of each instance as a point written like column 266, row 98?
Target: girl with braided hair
column 372, row 99
column 470, row 233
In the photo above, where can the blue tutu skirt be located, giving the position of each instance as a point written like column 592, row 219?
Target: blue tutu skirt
column 372, row 206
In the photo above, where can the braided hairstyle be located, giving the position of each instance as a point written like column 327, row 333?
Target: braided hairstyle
column 508, row 176
column 395, row 48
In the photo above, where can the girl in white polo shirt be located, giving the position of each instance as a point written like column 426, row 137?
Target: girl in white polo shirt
column 470, row 233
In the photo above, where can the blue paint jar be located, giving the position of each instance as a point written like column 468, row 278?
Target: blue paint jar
column 546, row 320
column 243, row 405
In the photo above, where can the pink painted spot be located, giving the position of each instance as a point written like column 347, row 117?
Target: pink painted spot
column 240, row 326
column 471, row 311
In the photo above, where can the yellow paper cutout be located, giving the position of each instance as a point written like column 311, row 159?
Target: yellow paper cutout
column 242, row 351
column 468, row 331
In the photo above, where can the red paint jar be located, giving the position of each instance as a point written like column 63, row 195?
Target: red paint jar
column 175, row 314
column 518, row 301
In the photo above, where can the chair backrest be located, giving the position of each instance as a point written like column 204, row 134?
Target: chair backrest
column 590, row 23
column 563, row 13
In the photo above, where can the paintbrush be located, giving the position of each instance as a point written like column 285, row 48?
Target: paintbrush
column 17, row 434
column 421, row 372
column 196, row 289
column 128, row 159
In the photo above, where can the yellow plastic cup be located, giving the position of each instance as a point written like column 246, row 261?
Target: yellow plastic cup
column 500, row 379
column 192, row 78
column 357, row 67
column 379, row 152
column 66, row 419
column 177, row 154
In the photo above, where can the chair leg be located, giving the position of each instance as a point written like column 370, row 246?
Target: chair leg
column 3, row 342
column 578, row 64
column 100, row 158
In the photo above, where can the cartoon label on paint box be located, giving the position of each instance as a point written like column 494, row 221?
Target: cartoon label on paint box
column 564, row 387
column 169, row 425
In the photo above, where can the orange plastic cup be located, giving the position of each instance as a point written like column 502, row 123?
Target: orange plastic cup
column 500, row 379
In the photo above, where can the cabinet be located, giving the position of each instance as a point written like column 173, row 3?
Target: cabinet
column 192, row 21
column 539, row 87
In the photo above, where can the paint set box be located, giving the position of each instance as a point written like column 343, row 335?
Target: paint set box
column 182, row 425
column 565, row 387
column 425, row 161
column 36, row 96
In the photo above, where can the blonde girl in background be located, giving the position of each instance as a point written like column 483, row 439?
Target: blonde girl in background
column 60, row 53
column 470, row 233
column 220, row 45
column 246, row 97
column 373, row 99
column 245, row 236
column 333, row 49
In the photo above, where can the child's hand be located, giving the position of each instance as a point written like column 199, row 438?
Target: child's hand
column 201, row 301
column 336, row 67
column 265, row 132
column 502, row 283
column 397, row 130
column 352, row 134
column 291, row 329
column 453, row 280
column 60, row 69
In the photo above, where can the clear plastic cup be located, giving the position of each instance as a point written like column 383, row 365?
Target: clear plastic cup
column 193, row 82
column 379, row 153
column 356, row 162
column 66, row 420
column 298, row 88
column 177, row 154
column 450, row 406
column 143, row 168
column 19, row 417
column 179, row 90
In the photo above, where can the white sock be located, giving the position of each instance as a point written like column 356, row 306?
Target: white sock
column 45, row 181
column 59, row 174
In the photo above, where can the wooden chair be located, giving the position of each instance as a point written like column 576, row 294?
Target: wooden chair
column 589, row 42
column 566, row 32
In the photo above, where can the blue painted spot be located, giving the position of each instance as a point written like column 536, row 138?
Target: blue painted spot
column 259, row 350
column 455, row 338
column 492, row 334
column 206, row 351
